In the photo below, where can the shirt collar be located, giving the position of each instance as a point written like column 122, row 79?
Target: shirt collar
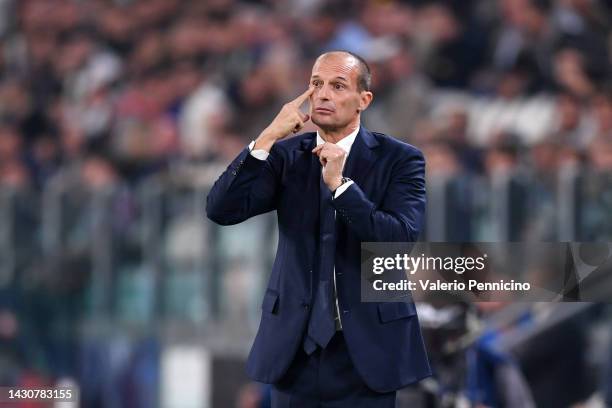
column 346, row 143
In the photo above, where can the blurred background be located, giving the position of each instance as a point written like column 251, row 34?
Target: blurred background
column 116, row 116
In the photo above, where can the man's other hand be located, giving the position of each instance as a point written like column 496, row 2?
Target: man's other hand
column 331, row 157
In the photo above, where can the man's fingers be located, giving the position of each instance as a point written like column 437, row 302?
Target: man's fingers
column 303, row 97
column 326, row 146
column 294, row 106
column 299, row 125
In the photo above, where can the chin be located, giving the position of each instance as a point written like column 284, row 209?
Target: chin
column 325, row 123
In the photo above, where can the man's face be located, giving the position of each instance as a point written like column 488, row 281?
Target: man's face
column 336, row 99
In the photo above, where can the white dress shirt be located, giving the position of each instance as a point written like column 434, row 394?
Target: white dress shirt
column 345, row 143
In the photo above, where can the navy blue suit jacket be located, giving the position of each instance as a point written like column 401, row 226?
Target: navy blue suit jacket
column 385, row 203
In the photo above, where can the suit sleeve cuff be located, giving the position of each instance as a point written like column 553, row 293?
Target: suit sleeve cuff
column 259, row 154
column 342, row 188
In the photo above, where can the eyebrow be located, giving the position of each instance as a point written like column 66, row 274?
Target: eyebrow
column 338, row 77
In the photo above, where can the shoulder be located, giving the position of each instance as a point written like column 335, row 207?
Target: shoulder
column 396, row 148
column 285, row 146
column 294, row 142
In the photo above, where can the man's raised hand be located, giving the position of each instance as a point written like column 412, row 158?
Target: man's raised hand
column 289, row 120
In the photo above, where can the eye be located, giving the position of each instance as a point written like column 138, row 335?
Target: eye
column 338, row 86
column 316, row 83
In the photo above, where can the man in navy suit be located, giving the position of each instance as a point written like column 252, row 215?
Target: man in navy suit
column 317, row 343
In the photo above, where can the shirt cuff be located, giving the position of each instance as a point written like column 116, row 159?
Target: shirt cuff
column 342, row 188
column 259, row 154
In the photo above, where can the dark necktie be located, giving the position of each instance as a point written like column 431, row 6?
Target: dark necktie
column 321, row 325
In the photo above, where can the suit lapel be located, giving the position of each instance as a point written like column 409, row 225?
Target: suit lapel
column 361, row 157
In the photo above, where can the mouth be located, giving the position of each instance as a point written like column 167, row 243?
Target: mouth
column 324, row 111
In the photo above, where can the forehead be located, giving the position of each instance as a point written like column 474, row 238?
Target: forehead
column 336, row 65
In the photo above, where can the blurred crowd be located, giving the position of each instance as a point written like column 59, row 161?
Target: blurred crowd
column 124, row 89
column 116, row 91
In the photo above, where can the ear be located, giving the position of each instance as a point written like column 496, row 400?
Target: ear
column 365, row 98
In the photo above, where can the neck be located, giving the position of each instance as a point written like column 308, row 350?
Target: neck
column 334, row 135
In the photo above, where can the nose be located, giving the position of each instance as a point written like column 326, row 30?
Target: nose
column 322, row 93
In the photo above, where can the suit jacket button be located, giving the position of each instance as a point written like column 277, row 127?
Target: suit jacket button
column 305, row 305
